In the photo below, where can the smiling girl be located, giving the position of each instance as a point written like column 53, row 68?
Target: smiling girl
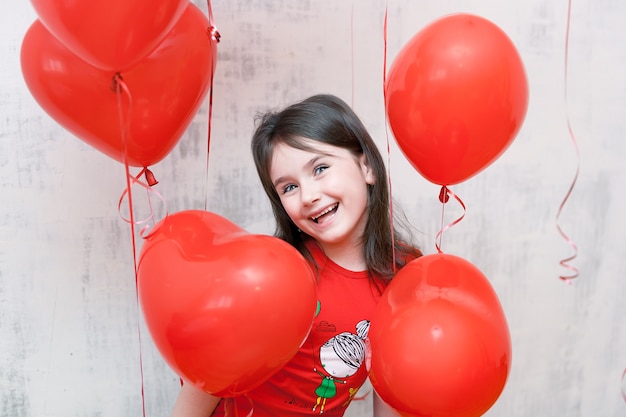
column 328, row 187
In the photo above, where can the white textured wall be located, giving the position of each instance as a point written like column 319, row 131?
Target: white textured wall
column 69, row 338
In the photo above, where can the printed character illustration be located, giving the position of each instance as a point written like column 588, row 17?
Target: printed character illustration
column 341, row 357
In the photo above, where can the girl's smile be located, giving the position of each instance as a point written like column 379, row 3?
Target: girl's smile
column 325, row 215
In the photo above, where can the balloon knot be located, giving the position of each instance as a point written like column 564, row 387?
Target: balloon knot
column 214, row 34
column 115, row 82
column 444, row 195
column 150, row 179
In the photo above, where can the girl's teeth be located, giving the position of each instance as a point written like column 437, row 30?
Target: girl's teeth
column 316, row 218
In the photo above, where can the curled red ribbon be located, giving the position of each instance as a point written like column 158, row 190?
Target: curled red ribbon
column 444, row 196
column 566, row 261
column 150, row 220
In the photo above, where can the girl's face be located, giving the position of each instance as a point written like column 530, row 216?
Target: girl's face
column 324, row 191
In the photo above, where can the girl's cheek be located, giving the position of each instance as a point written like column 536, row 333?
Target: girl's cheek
column 290, row 207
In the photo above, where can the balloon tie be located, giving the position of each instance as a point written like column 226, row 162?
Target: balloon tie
column 214, row 34
column 444, row 196
column 150, row 179
column 117, row 85
column 566, row 261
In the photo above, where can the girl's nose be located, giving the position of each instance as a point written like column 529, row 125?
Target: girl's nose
column 309, row 193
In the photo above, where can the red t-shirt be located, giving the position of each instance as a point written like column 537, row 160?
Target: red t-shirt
column 329, row 368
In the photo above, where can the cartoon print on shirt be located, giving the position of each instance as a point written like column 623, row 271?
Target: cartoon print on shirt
column 341, row 356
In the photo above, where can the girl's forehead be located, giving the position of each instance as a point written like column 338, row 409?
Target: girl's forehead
column 309, row 145
column 286, row 153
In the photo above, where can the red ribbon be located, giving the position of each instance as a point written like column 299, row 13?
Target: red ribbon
column 149, row 220
column 118, row 85
column 623, row 385
column 566, row 261
column 393, row 252
column 215, row 36
column 230, row 407
column 444, row 196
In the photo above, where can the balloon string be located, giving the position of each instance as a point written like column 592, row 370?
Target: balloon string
column 566, row 261
column 352, row 47
column 251, row 405
column 391, row 211
column 119, row 85
column 623, row 385
column 230, row 407
column 444, row 197
column 214, row 36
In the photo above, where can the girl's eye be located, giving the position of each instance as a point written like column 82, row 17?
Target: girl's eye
column 288, row 188
column 319, row 169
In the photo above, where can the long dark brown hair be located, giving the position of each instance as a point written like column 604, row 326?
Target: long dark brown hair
column 328, row 119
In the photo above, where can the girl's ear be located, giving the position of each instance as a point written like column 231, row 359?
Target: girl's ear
column 368, row 173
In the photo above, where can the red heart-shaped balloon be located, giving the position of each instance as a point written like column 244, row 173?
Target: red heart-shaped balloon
column 226, row 309
column 110, row 34
column 163, row 91
column 440, row 344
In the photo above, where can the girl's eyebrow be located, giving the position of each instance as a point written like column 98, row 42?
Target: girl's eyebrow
column 314, row 160
column 279, row 180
